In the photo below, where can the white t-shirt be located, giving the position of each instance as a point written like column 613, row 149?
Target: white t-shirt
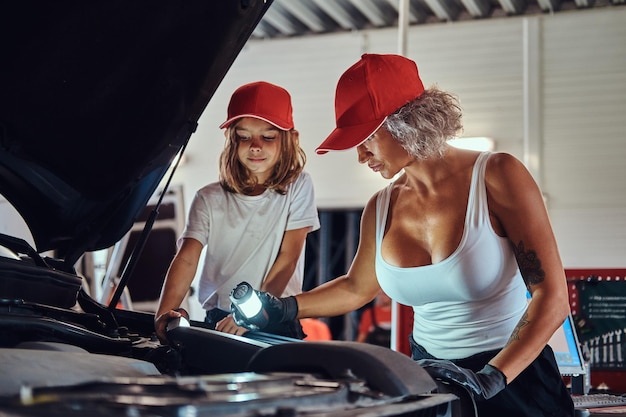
column 242, row 236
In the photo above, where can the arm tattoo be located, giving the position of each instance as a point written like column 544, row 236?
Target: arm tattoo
column 529, row 265
column 523, row 321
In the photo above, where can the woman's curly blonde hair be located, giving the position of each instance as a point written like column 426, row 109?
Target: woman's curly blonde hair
column 423, row 125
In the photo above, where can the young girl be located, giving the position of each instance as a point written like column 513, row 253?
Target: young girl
column 254, row 221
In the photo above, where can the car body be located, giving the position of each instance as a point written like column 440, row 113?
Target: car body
column 96, row 101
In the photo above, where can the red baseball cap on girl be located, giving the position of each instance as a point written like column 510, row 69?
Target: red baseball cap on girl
column 261, row 100
column 368, row 92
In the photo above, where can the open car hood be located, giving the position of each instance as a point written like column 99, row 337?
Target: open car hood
column 97, row 99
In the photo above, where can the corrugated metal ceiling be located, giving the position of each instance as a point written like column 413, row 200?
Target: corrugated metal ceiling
column 288, row 18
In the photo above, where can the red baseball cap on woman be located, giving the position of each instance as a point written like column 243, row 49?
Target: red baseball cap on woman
column 261, row 100
column 368, row 92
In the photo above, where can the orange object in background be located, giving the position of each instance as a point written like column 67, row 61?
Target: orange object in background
column 315, row 329
column 375, row 322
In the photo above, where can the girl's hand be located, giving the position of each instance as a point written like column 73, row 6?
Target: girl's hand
column 160, row 323
column 228, row 325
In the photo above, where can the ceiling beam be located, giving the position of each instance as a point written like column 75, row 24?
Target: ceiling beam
column 513, row 7
column 375, row 12
column 345, row 17
column 446, row 10
column 417, row 14
column 279, row 18
column 312, row 19
column 264, row 30
column 477, row 8
column 549, row 5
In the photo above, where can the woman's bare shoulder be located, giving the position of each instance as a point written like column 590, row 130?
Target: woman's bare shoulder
column 505, row 170
column 502, row 162
column 509, row 182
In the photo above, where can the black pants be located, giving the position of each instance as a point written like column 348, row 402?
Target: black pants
column 539, row 391
column 290, row 329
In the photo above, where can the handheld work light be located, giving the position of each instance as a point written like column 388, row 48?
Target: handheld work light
column 249, row 305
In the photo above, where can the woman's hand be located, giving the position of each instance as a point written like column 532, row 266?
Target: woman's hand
column 483, row 384
column 274, row 309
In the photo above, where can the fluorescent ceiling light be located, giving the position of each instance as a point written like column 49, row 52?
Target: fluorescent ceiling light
column 473, row 143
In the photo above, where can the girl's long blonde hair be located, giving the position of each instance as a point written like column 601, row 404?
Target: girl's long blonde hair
column 236, row 178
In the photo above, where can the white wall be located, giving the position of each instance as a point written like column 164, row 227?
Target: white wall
column 550, row 89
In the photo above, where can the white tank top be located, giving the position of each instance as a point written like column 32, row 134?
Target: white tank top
column 471, row 301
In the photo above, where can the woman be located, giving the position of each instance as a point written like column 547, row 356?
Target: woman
column 459, row 235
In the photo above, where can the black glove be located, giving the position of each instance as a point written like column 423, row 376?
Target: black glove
column 277, row 310
column 483, row 384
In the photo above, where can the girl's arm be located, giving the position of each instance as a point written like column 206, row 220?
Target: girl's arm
column 177, row 282
column 285, row 264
